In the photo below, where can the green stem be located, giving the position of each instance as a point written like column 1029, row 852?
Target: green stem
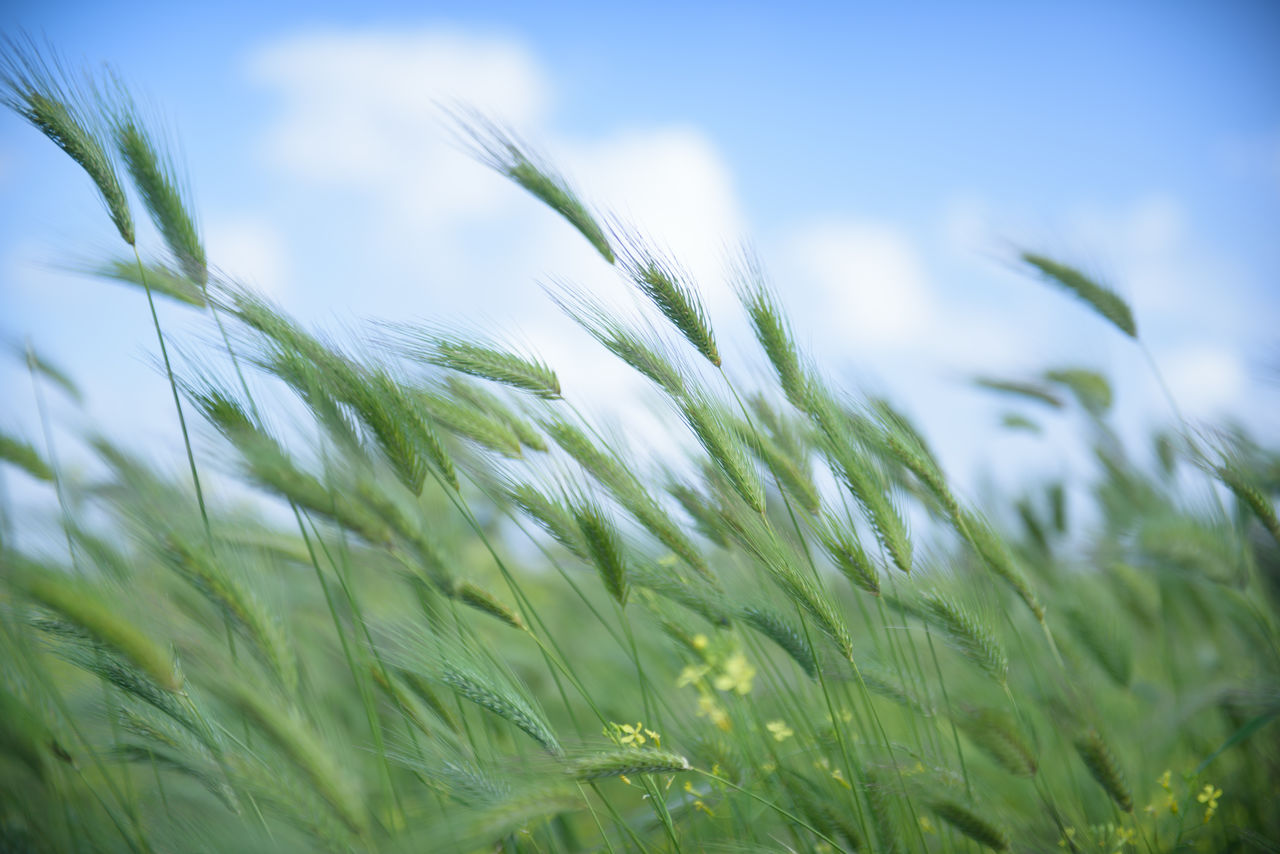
column 177, row 401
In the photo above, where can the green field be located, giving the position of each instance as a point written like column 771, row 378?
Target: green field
column 403, row 596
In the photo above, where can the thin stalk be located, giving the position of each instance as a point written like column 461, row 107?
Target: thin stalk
column 366, row 691
column 177, row 401
column 955, row 733
column 45, row 429
column 789, row 816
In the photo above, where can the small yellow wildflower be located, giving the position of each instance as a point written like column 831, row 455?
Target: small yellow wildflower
column 711, row 710
column 1172, row 804
column 736, row 675
column 1124, row 836
column 700, row 642
column 697, row 802
column 1164, row 781
column 839, row 778
column 926, row 825
column 654, row 737
column 691, row 675
column 1209, row 797
column 780, row 730
column 631, row 734
column 1068, row 838
column 624, row 778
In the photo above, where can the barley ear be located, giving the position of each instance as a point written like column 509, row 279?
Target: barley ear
column 480, row 359
column 1101, row 762
column 771, row 327
column 605, row 547
column 996, row 733
column 482, row 600
column 724, row 449
column 24, row 455
column 295, row 737
column 970, row 823
column 49, row 371
column 501, row 151
column 847, row 554
column 42, row 93
column 778, row 629
column 1235, row 478
column 620, row 763
column 501, row 699
column 1090, row 388
column 1032, row 391
column 967, row 635
column 669, row 289
column 1101, row 299
column 156, row 179
column 84, row 608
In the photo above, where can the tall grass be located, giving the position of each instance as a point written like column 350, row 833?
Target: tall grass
column 489, row 629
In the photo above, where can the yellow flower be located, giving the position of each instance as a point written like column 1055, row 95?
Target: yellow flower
column 780, row 730
column 1124, row 836
column 926, row 825
column 654, row 737
column 691, row 675
column 700, row 642
column 839, row 778
column 1164, row 781
column 631, row 734
column 736, row 675
column 711, row 710
column 1209, row 797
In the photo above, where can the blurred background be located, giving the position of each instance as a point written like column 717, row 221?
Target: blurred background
column 885, row 163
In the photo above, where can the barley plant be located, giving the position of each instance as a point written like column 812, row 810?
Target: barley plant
column 471, row 621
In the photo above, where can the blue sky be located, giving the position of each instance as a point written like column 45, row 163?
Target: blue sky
column 882, row 158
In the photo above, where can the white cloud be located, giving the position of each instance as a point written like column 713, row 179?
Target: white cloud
column 673, row 185
column 250, row 250
column 364, row 111
column 361, row 115
column 1205, row 379
column 356, row 101
column 367, row 110
column 870, row 287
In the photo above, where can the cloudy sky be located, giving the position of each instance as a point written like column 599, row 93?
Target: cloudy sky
column 883, row 161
